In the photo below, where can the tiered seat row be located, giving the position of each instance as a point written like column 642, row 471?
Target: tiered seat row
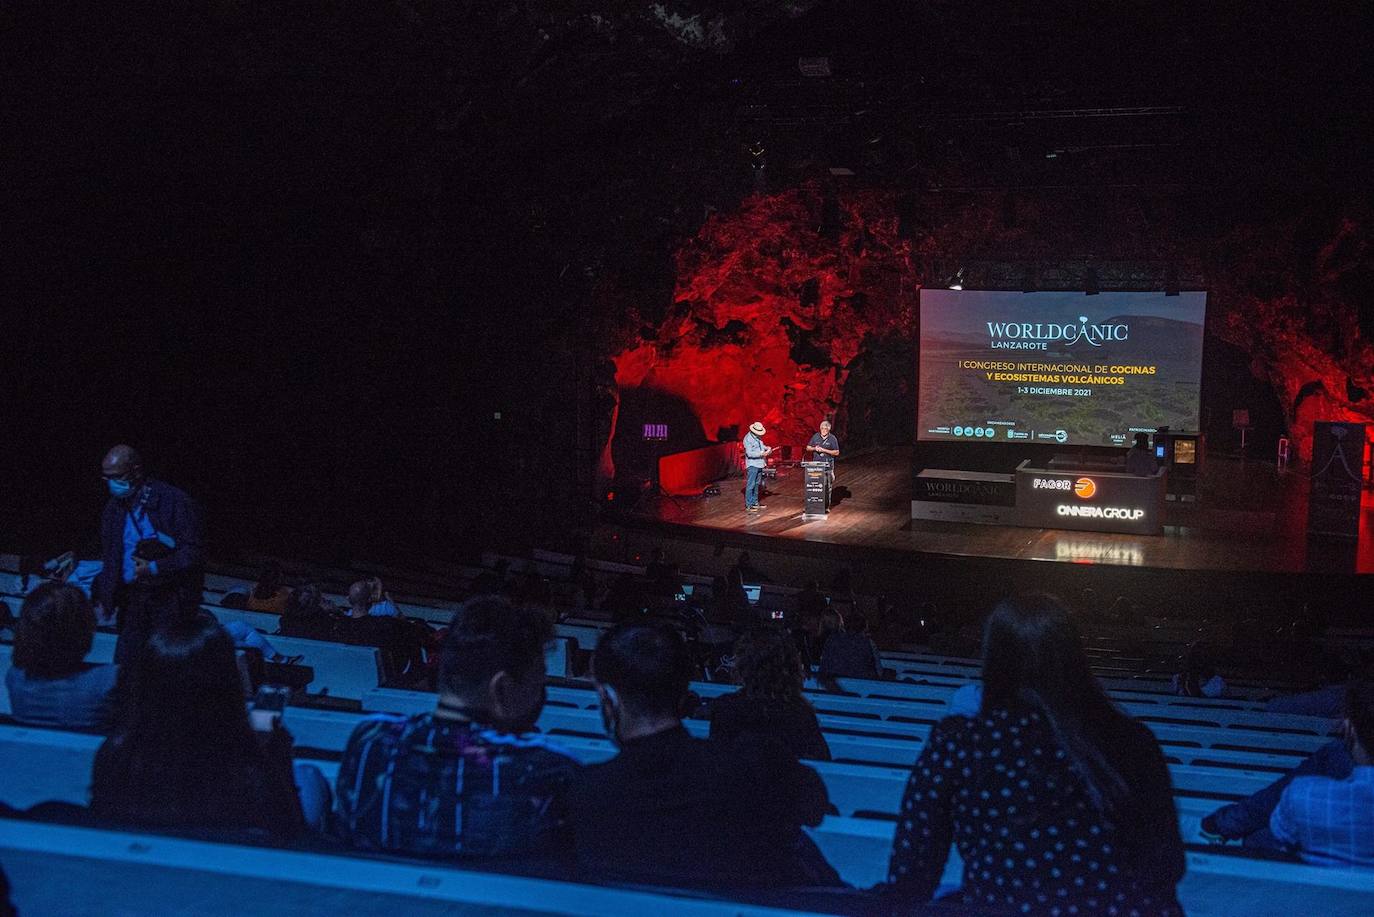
column 1218, row 750
column 857, row 847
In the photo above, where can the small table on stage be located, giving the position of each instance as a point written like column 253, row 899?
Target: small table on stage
column 818, row 478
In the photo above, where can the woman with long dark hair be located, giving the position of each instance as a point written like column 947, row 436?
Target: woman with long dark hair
column 183, row 753
column 770, row 701
column 1055, row 798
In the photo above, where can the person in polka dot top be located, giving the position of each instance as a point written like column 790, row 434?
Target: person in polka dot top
column 1058, row 803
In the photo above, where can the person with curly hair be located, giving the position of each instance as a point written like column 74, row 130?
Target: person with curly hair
column 769, row 702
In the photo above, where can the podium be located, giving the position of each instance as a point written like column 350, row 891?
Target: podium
column 817, row 481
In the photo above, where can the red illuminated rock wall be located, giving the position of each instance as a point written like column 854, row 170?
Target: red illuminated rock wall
column 771, row 316
column 768, row 314
column 1301, row 329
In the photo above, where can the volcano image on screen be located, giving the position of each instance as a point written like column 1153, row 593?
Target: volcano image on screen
column 1058, row 367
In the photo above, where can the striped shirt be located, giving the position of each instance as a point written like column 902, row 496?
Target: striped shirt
column 434, row 787
column 1329, row 821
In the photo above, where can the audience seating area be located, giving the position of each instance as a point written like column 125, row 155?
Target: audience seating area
column 1218, row 750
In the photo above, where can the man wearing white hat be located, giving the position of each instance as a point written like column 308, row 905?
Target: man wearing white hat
column 755, row 458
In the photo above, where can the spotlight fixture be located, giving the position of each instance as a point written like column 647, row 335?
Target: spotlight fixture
column 958, row 282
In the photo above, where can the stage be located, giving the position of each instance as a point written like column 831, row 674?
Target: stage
column 1248, row 519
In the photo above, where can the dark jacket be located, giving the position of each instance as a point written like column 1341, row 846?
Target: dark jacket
column 682, row 811
column 259, row 793
column 850, row 656
column 171, row 512
column 791, row 722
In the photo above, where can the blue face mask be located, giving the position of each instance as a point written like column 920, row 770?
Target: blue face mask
column 118, row 488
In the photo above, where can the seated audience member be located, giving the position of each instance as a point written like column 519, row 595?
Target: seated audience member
column 246, row 637
column 490, row 582
column 850, row 652
column 769, row 702
column 270, row 593
column 625, row 599
column 367, row 598
column 831, row 623
column 308, row 614
column 64, row 568
column 1327, row 701
column 49, row 682
column 469, row 779
column 842, row 597
column 678, row 810
column 811, row 600
column 1248, row 820
column 807, row 637
column 1054, row 798
column 1328, row 698
column 1198, row 676
column 729, row 604
column 535, row 591
column 183, row 753
column 581, row 587
column 371, row 620
column 662, row 576
column 1330, row 820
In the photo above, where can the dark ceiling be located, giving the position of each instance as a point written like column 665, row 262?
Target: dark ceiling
column 324, row 226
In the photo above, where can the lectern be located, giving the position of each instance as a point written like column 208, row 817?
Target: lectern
column 817, row 488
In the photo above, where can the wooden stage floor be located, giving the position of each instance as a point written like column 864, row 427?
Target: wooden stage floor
column 1252, row 521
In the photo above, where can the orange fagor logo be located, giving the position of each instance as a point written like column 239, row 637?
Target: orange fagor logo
column 1084, row 488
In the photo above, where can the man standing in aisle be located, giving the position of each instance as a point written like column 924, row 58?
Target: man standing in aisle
column 824, row 447
column 152, row 545
column 755, row 459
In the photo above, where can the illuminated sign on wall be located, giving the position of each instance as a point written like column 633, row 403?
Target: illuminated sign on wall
column 1102, row 502
column 1100, row 512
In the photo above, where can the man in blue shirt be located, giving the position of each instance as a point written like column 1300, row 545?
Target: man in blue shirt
column 755, row 460
column 1329, row 820
column 824, row 447
column 146, row 517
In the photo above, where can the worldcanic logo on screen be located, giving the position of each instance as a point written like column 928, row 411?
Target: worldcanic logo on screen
column 1060, row 332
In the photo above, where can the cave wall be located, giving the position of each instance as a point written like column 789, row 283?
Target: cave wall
column 774, row 312
column 1296, row 310
column 803, row 304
